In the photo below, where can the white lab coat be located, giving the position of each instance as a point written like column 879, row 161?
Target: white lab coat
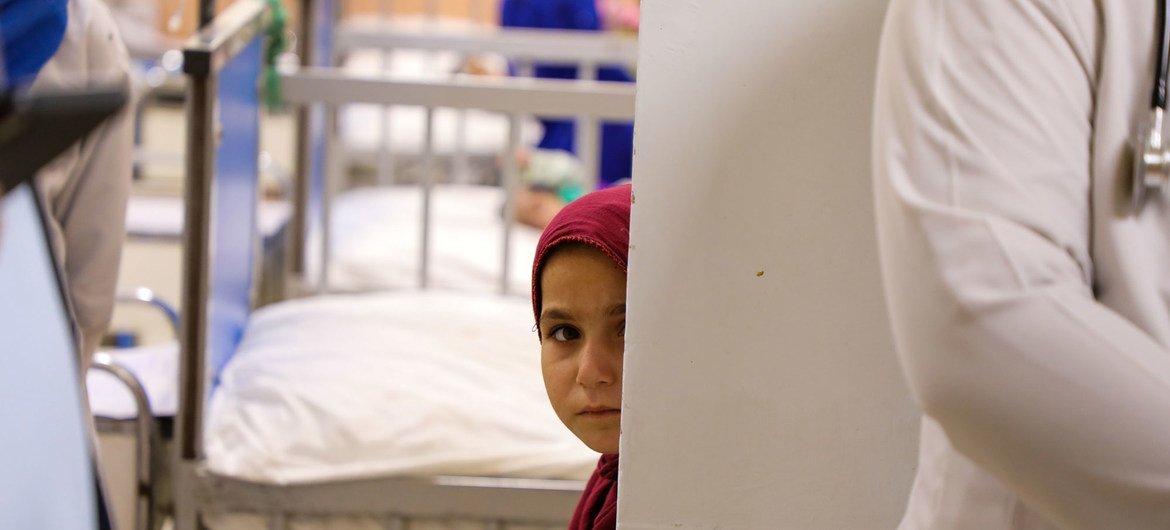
column 1030, row 310
column 86, row 188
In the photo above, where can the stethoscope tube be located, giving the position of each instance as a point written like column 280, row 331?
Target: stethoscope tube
column 1158, row 99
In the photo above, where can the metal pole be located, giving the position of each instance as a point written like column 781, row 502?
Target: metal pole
column 304, row 161
column 145, row 434
column 196, row 234
column 511, row 181
column 206, row 12
column 427, row 179
column 588, row 135
column 332, row 163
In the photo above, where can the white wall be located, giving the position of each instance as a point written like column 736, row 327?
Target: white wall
column 761, row 386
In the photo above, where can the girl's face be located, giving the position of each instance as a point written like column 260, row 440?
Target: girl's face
column 582, row 329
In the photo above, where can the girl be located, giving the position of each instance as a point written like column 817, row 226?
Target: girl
column 579, row 300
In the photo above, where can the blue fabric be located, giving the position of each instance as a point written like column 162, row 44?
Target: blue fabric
column 30, row 31
column 617, row 139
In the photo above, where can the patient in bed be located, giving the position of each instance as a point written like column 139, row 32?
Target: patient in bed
column 579, row 300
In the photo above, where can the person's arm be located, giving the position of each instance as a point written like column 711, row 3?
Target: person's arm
column 87, row 188
column 982, row 132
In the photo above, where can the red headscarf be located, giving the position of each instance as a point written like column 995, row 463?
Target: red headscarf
column 600, row 219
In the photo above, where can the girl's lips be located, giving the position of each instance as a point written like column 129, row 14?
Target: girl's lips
column 597, row 412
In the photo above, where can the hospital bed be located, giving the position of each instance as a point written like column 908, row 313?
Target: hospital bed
column 456, row 137
column 395, row 409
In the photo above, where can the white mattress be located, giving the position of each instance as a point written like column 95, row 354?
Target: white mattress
column 409, row 383
column 376, row 238
column 484, row 133
column 162, row 216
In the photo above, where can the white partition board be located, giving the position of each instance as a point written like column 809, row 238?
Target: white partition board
column 761, row 385
column 48, row 478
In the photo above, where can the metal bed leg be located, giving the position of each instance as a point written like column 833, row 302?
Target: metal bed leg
column 385, row 173
column 146, row 439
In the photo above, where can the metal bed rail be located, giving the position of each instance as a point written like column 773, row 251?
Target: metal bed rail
column 560, row 47
column 515, row 97
column 397, row 501
column 588, row 51
column 148, row 439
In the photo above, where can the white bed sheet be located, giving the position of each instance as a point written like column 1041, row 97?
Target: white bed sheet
column 407, row 383
column 376, row 238
column 483, row 134
column 155, row 366
column 162, row 216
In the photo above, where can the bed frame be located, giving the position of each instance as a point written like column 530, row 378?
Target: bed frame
column 223, row 65
column 585, row 50
column 322, row 89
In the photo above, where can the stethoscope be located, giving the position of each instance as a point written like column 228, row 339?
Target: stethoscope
column 1151, row 156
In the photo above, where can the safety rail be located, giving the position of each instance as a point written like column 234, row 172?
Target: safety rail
column 558, row 47
column 515, row 97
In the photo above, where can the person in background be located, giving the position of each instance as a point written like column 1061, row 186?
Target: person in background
column 539, row 202
column 579, row 301
column 72, row 44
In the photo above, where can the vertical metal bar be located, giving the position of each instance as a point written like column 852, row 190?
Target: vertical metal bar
column 461, row 166
column 385, row 149
column 332, row 163
column 304, row 161
column 427, row 179
column 196, row 279
column 511, row 180
column 206, row 12
column 588, row 134
column 196, row 273
column 146, row 436
column 385, row 161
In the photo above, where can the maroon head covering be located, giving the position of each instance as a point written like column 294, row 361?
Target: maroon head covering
column 600, row 219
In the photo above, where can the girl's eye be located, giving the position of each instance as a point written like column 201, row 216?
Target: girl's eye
column 565, row 333
column 622, row 329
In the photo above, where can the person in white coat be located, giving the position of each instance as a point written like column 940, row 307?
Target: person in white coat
column 1030, row 304
column 86, row 188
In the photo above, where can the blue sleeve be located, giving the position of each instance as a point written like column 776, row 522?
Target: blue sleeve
column 617, row 139
column 30, row 32
column 550, row 14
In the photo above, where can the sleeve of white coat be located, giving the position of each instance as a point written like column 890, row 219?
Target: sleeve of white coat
column 982, row 134
column 87, row 188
